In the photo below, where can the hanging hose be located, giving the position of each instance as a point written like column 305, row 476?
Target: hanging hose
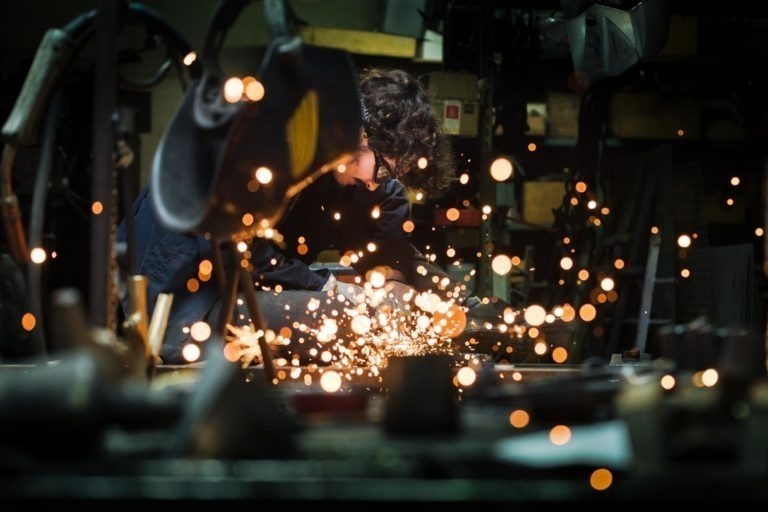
column 54, row 55
column 37, row 221
column 57, row 50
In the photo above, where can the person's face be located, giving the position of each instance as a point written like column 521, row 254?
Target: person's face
column 361, row 170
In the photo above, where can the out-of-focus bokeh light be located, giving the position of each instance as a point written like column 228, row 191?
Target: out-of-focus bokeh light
column 560, row 435
column 535, row 315
column 200, row 331
column 233, row 90
column 330, row 381
column 28, row 321
column 466, row 376
column 501, row 264
column 601, row 479
column 501, row 169
column 519, row 418
column 190, row 352
column 37, row 255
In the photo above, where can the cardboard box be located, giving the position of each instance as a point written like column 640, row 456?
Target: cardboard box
column 563, row 115
column 457, row 86
column 651, row 116
column 536, row 118
column 539, row 199
column 455, row 102
column 457, row 117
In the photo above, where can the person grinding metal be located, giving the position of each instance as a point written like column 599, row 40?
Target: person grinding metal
column 359, row 206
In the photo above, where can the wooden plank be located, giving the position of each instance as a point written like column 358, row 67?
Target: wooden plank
column 360, row 42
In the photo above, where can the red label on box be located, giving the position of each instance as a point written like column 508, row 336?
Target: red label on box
column 452, row 111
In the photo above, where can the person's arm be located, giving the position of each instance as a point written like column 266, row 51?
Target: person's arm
column 271, row 268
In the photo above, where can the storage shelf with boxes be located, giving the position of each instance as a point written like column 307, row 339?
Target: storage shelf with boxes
column 455, row 101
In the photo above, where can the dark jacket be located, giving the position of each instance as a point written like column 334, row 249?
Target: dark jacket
column 169, row 260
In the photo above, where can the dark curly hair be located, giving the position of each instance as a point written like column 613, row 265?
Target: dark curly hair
column 400, row 124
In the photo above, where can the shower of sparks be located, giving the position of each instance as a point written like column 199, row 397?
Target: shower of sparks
column 354, row 330
column 379, row 324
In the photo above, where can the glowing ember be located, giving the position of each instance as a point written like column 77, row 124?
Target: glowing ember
column 709, row 377
column 190, row 352
column 601, row 479
column 560, row 355
column 452, row 322
column 501, row 264
column 205, row 267
column 263, row 175
column 37, row 255
column 330, row 381
column 254, row 90
column 200, row 331
column 587, row 312
column 535, row 314
column 28, row 321
column 560, row 435
column 519, row 418
column 233, row 90
column 501, row 169
column 466, row 376
column 607, row 284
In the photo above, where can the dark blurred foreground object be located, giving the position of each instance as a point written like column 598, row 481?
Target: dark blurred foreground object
column 710, row 408
column 203, row 175
column 62, row 408
column 235, row 416
column 736, row 353
column 421, row 398
column 14, row 339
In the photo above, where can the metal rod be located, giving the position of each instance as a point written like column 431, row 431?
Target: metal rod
column 101, row 310
column 246, row 286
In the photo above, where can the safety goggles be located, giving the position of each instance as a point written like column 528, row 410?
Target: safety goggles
column 383, row 171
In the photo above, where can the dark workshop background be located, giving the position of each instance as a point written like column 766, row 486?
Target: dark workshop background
column 659, row 145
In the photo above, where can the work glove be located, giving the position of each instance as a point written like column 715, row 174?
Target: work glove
column 353, row 293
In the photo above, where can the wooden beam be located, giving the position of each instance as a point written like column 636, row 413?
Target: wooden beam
column 360, row 42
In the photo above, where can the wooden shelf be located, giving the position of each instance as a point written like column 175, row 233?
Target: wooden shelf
column 361, row 42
